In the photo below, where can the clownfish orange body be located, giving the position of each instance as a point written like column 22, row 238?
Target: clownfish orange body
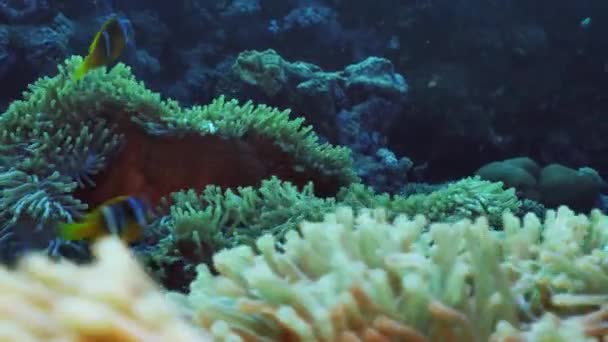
column 108, row 44
column 123, row 216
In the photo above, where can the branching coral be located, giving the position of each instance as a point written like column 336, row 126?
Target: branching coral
column 336, row 281
column 364, row 278
column 347, row 278
column 583, row 328
column 109, row 300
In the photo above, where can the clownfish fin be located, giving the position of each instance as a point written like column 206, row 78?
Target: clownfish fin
column 82, row 70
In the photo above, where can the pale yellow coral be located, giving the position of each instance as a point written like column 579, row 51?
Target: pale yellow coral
column 349, row 278
column 110, row 300
column 548, row 328
column 363, row 278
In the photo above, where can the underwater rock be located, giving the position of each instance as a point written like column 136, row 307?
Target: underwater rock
column 7, row 55
column 553, row 185
column 304, row 17
column 153, row 33
column 561, row 185
column 242, row 7
column 274, row 76
column 374, row 76
column 264, row 70
column 322, row 93
column 24, row 11
column 355, row 107
column 363, row 128
column 43, row 47
column 519, row 173
column 383, row 171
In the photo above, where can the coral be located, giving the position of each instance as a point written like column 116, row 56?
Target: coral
column 140, row 114
column 30, row 205
column 75, row 145
column 263, row 69
column 469, row 197
column 362, row 277
column 363, row 128
column 109, row 300
column 472, row 87
column 112, row 136
column 43, row 199
column 200, row 225
column 374, row 75
column 552, row 328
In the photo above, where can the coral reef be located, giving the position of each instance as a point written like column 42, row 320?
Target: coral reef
column 265, row 230
column 109, row 300
column 479, row 73
column 363, row 277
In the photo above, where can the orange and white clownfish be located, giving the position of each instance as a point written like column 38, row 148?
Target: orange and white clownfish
column 123, row 216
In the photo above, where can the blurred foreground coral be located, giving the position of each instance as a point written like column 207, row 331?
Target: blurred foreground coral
column 110, row 300
column 366, row 278
column 353, row 276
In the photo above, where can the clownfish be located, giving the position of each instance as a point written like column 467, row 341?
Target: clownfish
column 123, row 216
column 108, row 44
